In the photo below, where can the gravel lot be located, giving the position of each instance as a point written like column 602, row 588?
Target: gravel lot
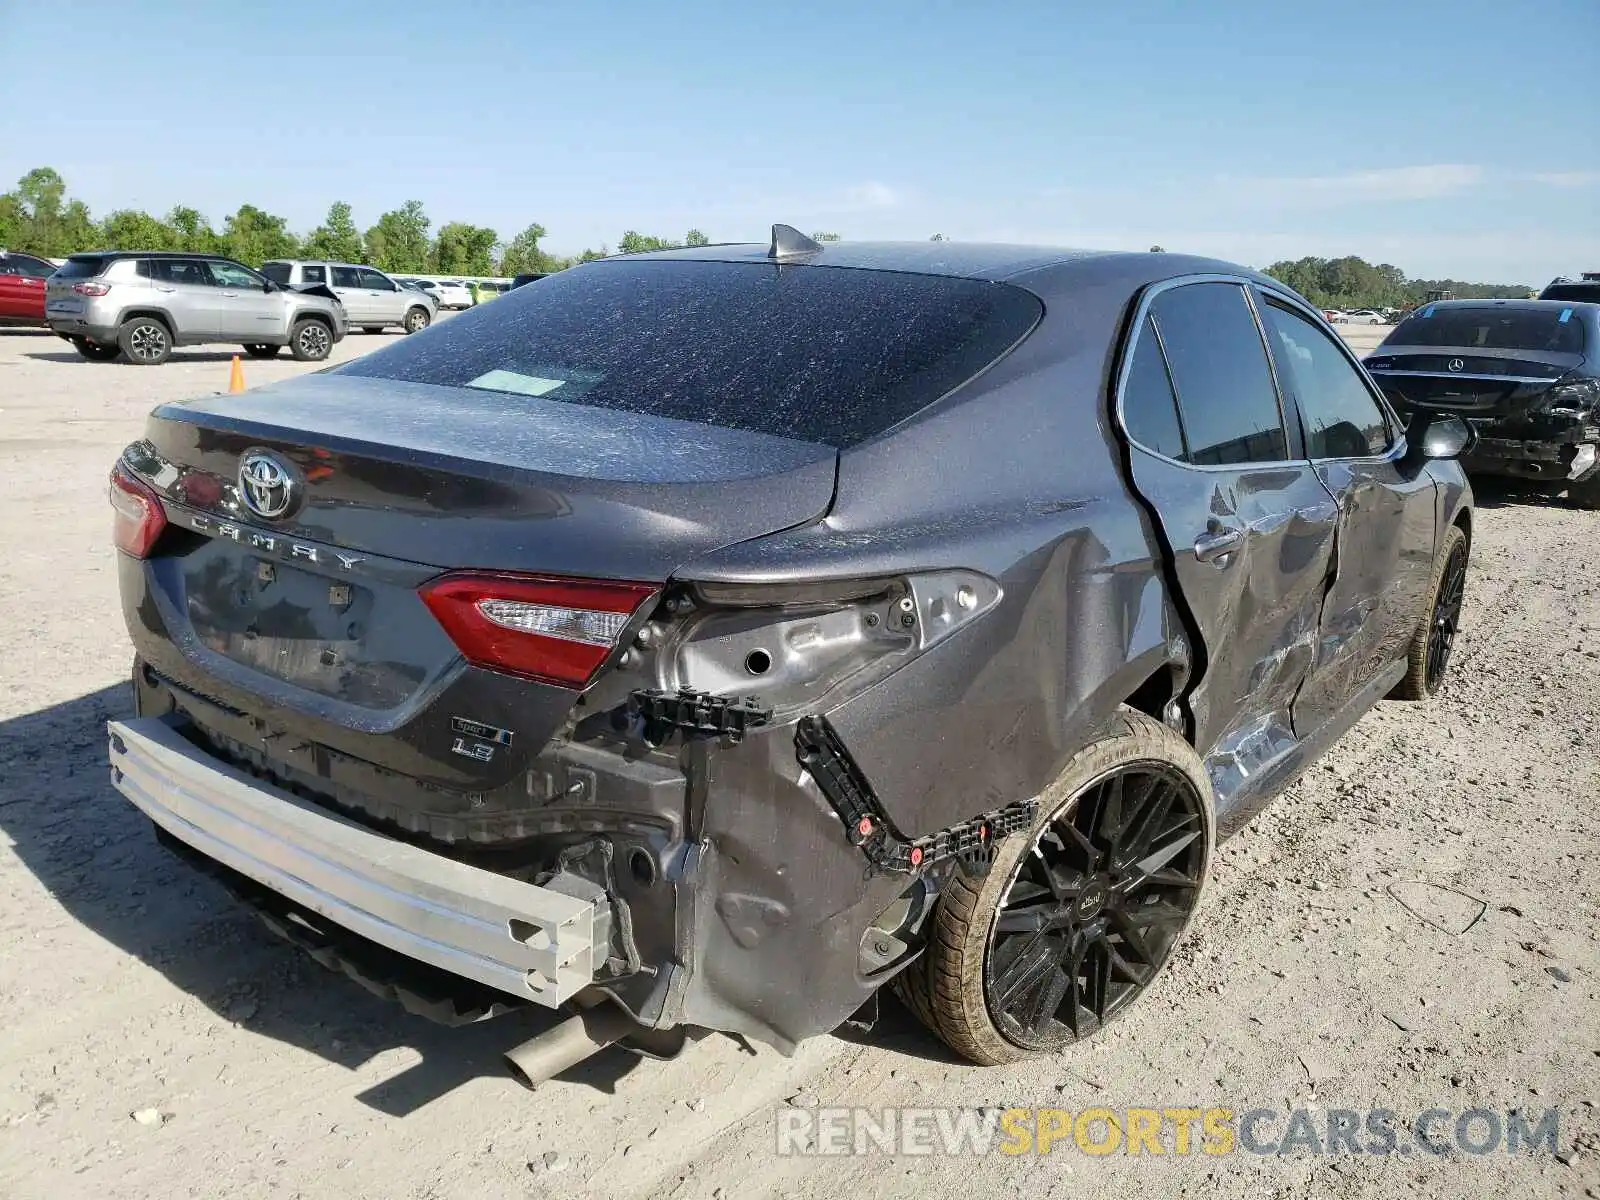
column 1331, row 968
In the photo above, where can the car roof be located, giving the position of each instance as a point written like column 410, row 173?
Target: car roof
column 152, row 254
column 1520, row 305
column 1043, row 269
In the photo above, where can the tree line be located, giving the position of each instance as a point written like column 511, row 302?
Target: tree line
column 38, row 217
column 1353, row 283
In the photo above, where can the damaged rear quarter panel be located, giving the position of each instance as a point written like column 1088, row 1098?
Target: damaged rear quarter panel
column 1018, row 478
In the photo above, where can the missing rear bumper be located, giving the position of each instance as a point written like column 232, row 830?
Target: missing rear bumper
column 1530, row 459
column 539, row 944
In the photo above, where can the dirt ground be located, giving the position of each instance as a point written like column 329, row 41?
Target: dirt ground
column 1331, row 967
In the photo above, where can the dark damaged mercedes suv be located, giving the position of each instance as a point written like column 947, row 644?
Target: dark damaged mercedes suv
column 702, row 640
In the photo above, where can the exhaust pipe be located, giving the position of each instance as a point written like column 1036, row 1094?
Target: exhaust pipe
column 568, row 1044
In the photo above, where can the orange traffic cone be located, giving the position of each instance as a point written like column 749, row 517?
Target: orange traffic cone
column 236, row 380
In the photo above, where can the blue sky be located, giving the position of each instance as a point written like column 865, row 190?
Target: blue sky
column 1456, row 138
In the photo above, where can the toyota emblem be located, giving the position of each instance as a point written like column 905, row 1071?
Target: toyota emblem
column 1456, row 364
column 266, row 484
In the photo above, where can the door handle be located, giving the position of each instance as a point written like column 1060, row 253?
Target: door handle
column 231, row 295
column 166, row 289
column 1217, row 543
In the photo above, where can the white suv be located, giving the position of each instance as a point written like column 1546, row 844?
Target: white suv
column 372, row 301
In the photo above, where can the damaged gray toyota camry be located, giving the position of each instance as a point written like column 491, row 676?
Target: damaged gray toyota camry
column 702, row 640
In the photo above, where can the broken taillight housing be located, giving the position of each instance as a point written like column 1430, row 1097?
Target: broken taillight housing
column 137, row 516
column 557, row 631
column 1572, row 397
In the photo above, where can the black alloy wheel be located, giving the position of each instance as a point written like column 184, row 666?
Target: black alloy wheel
column 1446, row 615
column 1095, row 906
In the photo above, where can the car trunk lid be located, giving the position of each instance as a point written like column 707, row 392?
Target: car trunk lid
column 1474, row 381
column 320, row 610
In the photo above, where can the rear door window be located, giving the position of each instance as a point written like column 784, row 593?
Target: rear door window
column 1149, row 407
column 1226, row 394
column 1550, row 327
column 186, row 271
column 314, row 274
column 346, row 277
column 819, row 354
column 1342, row 420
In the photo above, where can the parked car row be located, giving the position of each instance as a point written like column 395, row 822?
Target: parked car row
column 458, row 293
column 183, row 299
column 140, row 305
column 606, row 717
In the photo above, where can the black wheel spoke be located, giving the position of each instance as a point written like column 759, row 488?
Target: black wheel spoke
column 1097, row 977
column 1156, row 859
column 1096, row 905
column 1036, row 958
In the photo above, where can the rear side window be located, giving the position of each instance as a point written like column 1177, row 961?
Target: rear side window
column 180, row 270
column 346, row 277
column 316, row 274
column 82, row 268
column 1219, row 370
column 1548, row 328
column 820, row 354
column 1149, row 407
column 277, row 272
column 1342, row 420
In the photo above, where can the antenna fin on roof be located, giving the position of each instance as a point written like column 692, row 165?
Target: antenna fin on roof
column 789, row 242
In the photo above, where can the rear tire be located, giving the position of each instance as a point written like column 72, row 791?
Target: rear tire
column 145, row 341
column 1115, row 914
column 262, row 351
column 95, row 352
column 417, row 320
column 310, row 340
column 1429, row 656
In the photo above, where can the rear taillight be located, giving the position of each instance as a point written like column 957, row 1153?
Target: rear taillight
column 138, row 517
column 552, row 630
column 91, row 289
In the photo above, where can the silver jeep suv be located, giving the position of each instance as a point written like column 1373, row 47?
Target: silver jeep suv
column 139, row 304
column 371, row 299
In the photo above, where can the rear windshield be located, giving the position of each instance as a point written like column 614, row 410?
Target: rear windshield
column 277, row 272
column 1588, row 292
column 1550, row 329
column 826, row 355
column 81, row 268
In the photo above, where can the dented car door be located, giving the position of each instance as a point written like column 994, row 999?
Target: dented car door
column 1383, row 558
column 1249, row 525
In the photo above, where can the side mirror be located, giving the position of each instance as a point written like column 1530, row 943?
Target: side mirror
column 268, row 286
column 1439, row 435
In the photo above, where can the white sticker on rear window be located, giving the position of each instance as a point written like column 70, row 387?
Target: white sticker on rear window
column 510, row 381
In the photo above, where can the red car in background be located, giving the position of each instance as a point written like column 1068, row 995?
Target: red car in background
column 22, row 279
